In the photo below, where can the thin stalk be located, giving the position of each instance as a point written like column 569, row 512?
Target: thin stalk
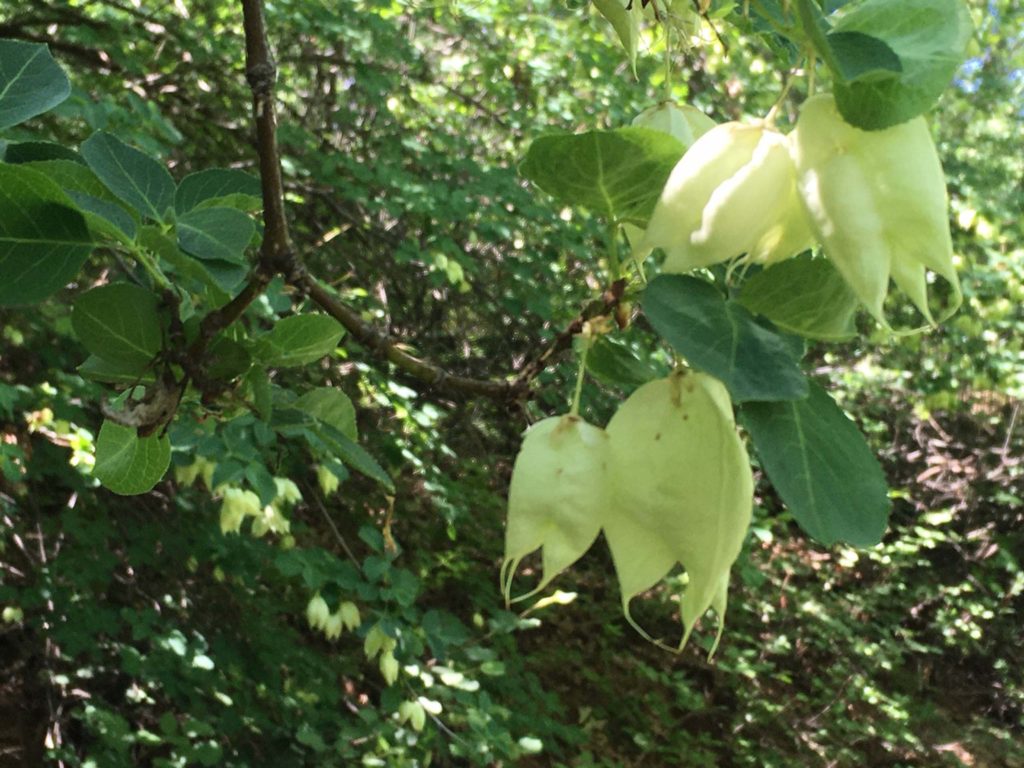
column 578, row 393
column 149, row 264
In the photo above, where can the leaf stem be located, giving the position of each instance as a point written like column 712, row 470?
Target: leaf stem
column 150, row 265
column 585, row 341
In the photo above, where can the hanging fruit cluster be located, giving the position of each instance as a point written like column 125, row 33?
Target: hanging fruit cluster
column 849, row 201
column 875, row 200
column 667, row 482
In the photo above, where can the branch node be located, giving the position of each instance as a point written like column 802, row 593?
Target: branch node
column 261, row 77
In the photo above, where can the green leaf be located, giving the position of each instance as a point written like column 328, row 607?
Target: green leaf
column 133, row 176
column 216, row 234
column 862, row 58
column 213, row 184
column 230, row 359
column 43, row 240
column 806, row 296
column 722, row 338
column 330, row 406
column 298, row 340
column 626, row 24
column 617, row 174
column 184, row 266
column 822, row 468
column 930, row 39
column 104, row 212
column 614, row 363
column 97, row 369
column 352, row 454
column 119, row 323
column 34, row 151
column 226, row 275
column 31, row 82
column 128, row 464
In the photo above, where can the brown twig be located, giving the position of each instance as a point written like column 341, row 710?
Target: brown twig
column 277, row 255
column 388, row 347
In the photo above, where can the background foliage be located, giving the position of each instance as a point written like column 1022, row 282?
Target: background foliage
column 136, row 633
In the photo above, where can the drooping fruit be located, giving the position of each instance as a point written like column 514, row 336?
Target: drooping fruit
column 732, row 193
column 877, row 201
column 682, row 490
column 558, row 496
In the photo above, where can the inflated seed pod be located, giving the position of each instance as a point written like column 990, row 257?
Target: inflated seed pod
column 557, row 497
column 682, row 489
column 732, row 193
column 877, row 201
column 685, row 123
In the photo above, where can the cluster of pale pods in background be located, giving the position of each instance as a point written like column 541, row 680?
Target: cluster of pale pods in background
column 669, row 480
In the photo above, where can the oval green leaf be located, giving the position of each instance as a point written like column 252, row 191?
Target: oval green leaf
column 298, row 340
column 135, row 177
column 43, row 240
column 722, row 338
column 216, row 234
column 930, row 39
column 805, row 296
column 120, row 324
column 822, row 467
column 31, row 82
column 128, row 464
column 213, row 184
column 617, row 174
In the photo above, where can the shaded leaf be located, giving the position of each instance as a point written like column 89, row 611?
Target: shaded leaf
column 614, row 363
column 806, row 296
column 97, row 369
column 43, row 240
column 34, row 151
column 930, row 39
column 822, row 467
column 119, row 323
column 722, row 338
column 212, row 184
column 860, row 57
column 133, row 176
column 216, row 234
column 128, row 464
column 298, row 340
column 31, row 82
column 330, row 406
column 106, row 214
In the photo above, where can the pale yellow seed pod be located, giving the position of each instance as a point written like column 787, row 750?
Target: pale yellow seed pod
column 350, row 616
column 288, row 492
column 556, row 497
column 732, row 193
column 877, row 201
column 389, row 668
column 328, row 480
column 333, row 626
column 685, row 123
column 237, row 505
column 317, row 612
column 374, row 642
column 683, row 491
column 413, row 713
